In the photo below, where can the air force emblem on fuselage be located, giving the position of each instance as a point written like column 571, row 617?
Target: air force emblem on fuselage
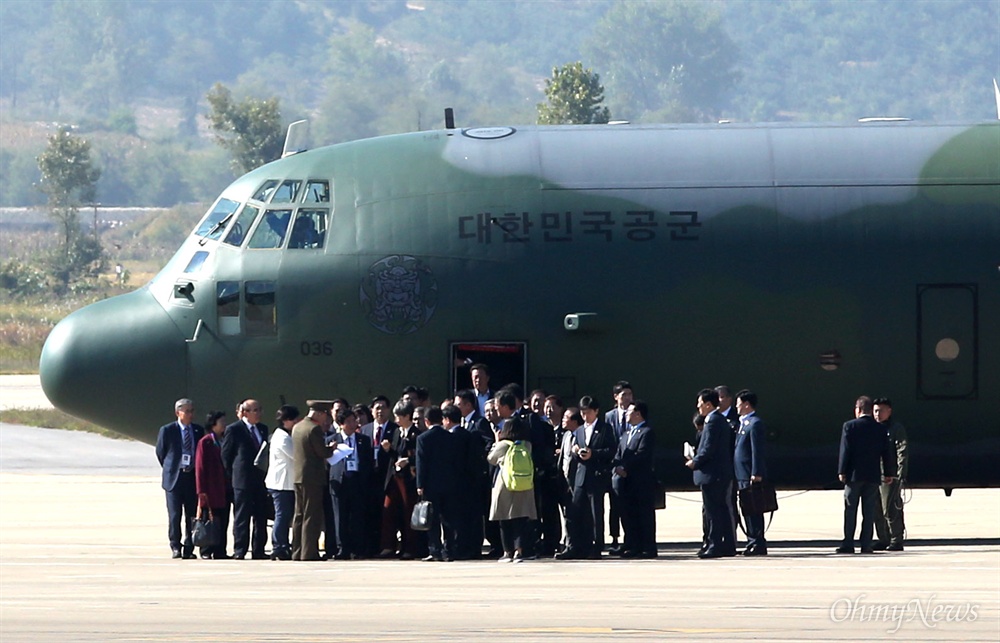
column 399, row 294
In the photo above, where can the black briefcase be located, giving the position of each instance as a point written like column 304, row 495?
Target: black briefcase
column 423, row 515
column 758, row 498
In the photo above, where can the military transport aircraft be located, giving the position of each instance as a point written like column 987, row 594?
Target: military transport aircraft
column 809, row 263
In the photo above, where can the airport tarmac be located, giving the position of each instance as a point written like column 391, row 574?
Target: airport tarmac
column 22, row 391
column 84, row 557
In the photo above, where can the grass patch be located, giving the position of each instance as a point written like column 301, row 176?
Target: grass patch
column 54, row 419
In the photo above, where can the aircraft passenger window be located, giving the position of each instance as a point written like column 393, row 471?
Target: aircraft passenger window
column 265, row 191
column 270, row 232
column 227, row 300
column 309, row 230
column 196, row 261
column 215, row 221
column 261, row 312
column 287, row 193
column 242, row 225
column 317, row 192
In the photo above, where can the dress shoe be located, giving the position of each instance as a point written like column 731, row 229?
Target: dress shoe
column 880, row 546
column 703, row 549
column 596, row 555
column 895, row 547
column 568, row 554
column 175, row 553
column 649, row 555
column 710, row 553
column 189, row 556
column 615, row 550
column 431, row 558
column 628, row 553
column 387, row 553
column 756, row 551
column 406, row 556
column 844, row 549
column 867, row 550
column 341, row 555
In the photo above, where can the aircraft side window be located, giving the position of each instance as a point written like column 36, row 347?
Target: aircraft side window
column 317, row 192
column 270, row 232
column 265, row 191
column 227, row 299
column 261, row 312
column 216, row 220
column 197, row 260
column 309, row 230
column 288, row 192
column 243, row 222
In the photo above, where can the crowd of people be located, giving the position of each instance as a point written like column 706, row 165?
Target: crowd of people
column 509, row 478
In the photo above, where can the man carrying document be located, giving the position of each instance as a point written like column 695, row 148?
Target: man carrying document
column 351, row 468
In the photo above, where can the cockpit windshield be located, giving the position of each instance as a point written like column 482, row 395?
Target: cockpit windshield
column 216, row 220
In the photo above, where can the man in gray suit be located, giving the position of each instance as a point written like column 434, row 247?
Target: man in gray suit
column 750, row 465
column 617, row 419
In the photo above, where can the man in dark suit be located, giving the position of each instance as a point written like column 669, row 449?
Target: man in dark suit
column 863, row 445
column 381, row 433
column 175, row 448
column 251, row 502
column 750, row 465
column 480, row 428
column 593, row 448
column 713, row 472
column 617, row 419
column 438, row 457
column 350, row 485
column 310, row 477
column 471, row 469
column 480, row 374
column 727, row 408
column 634, row 484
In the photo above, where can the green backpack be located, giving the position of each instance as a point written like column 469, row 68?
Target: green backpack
column 518, row 471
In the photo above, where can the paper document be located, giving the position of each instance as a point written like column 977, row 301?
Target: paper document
column 342, row 451
column 688, row 451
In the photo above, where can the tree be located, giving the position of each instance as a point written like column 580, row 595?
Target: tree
column 661, row 55
column 574, row 96
column 250, row 129
column 69, row 180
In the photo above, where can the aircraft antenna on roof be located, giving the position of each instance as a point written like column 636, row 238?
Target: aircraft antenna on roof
column 449, row 118
column 295, row 138
column 996, row 95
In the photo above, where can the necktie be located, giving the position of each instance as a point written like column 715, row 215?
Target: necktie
column 188, row 442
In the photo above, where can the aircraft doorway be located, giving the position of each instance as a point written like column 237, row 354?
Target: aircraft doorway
column 507, row 361
column 947, row 342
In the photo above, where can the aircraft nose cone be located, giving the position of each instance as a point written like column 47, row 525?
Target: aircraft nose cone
column 117, row 363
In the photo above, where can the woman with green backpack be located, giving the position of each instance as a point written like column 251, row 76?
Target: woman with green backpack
column 513, row 499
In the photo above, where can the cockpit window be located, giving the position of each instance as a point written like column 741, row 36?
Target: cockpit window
column 270, row 232
column 243, row 222
column 215, row 221
column 317, row 192
column 197, row 260
column 309, row 230
column 265, row 191
column 287, row 193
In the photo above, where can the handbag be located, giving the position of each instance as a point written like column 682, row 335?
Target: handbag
column 423, row 515
column 758, row 498
column 659, row 496
column 204, row 532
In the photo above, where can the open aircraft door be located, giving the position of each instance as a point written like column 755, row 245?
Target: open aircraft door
column 947, row 342
column 507, row 361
